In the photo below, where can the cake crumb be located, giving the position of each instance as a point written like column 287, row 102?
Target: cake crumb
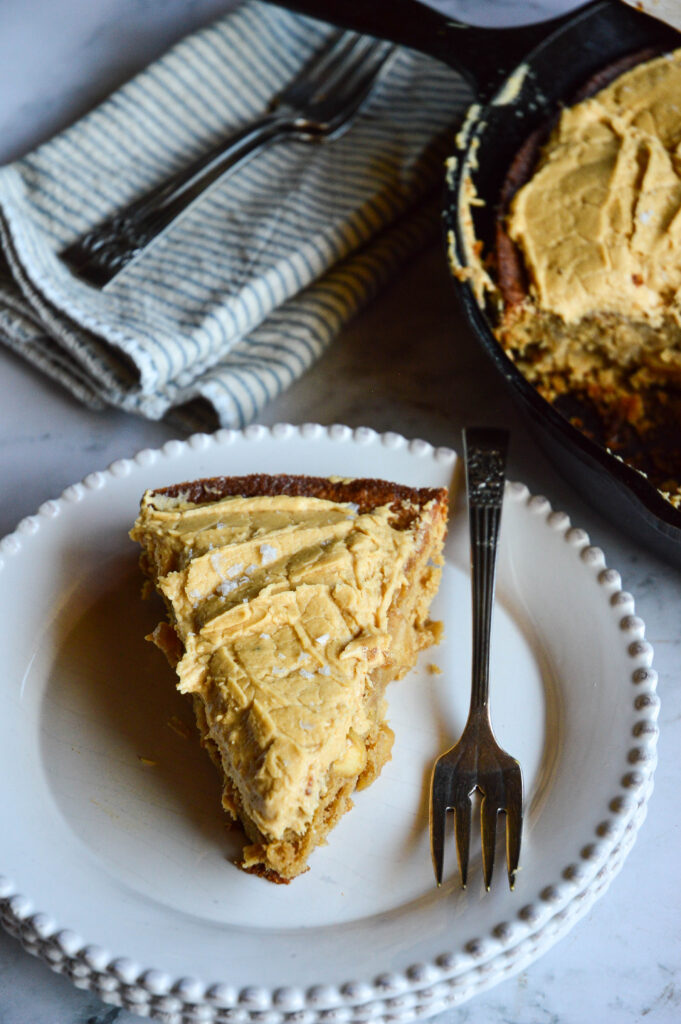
column 434, row 669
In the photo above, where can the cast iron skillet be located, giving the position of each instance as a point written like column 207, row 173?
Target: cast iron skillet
column 521, row 77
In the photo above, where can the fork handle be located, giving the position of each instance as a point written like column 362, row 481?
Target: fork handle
column 485, row 452
column 103, row 252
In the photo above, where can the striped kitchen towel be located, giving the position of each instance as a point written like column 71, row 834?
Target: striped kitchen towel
column 248, row 288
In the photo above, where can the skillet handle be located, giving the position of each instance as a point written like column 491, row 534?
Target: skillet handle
column 484, row 56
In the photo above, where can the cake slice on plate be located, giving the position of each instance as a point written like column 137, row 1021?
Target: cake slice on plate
column 292, row 601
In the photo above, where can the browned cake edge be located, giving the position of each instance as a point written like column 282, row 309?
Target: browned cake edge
column 366, row 493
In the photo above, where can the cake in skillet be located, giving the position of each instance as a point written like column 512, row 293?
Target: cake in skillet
column 292, row 601
column 589, row 266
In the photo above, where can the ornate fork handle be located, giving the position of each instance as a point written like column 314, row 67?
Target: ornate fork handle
column 486, row 451
column 103, row 252
column 477, row 762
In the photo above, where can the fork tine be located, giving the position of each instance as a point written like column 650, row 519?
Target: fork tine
column 488, row 834
column 359, row 81
column 313, row 76
column 343, row 55
column 438, row 820
column 462, row 830
column 363, row 62
column 514, row 827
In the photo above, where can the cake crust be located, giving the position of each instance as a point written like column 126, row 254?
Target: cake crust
column 367, row 493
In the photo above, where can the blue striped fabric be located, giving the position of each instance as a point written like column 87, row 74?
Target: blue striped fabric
column 245, row 291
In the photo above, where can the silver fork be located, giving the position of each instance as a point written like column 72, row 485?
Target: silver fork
column 477, row 762
column 320, row 103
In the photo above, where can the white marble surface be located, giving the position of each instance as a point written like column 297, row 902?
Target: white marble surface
column 406, row 364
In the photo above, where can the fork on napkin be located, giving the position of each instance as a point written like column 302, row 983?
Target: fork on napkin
column 239, row 298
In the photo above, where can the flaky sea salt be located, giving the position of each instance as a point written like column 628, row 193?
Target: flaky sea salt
column 227, row 587
column 268, row 553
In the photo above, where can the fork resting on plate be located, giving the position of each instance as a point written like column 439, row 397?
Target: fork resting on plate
column 320, row 103
column 477, row 762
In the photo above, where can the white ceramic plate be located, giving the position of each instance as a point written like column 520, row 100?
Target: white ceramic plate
column 116, row 866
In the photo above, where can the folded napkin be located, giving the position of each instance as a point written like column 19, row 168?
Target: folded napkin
column 244, row 292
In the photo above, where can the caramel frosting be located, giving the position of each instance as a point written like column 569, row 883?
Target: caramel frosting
column 281, row 604
column 599, row 223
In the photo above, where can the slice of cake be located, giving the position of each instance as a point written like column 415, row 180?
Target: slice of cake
column 292, row 601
